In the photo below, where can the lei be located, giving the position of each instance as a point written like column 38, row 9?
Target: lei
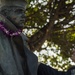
column 9, row 32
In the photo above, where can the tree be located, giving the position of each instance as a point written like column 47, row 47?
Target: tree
column 53, row 22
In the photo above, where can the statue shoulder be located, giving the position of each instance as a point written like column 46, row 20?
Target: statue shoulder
column 24, row 37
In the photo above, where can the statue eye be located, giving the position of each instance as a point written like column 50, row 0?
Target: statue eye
column 19, row 11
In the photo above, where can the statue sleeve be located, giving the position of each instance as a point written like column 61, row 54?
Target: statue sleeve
column 47, row 70
column 71, row 71
column 32, row 60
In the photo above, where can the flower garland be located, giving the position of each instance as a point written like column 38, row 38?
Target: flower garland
column 8, row 32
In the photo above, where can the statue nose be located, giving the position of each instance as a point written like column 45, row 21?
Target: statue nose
column 23, row 16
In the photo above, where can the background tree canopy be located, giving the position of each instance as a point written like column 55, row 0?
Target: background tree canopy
column 50, row 27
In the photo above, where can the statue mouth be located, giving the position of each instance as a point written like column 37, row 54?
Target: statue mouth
column 22, row 20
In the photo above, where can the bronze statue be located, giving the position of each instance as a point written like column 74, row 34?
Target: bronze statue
column 15, row 56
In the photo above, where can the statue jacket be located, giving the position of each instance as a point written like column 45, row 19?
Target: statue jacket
column 17, row 59
column 47, row 70
column 12, row 49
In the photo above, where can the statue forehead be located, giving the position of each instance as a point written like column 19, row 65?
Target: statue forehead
column 18, row 3
column 12, row 8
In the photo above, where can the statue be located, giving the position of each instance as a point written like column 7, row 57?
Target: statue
column 15, row 56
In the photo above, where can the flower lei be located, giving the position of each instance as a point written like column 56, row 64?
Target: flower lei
column 8, row 32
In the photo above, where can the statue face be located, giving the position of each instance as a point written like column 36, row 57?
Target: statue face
column 17, row 17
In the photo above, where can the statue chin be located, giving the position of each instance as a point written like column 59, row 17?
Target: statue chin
column 20, row 26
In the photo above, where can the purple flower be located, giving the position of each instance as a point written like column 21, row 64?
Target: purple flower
column 7, row 32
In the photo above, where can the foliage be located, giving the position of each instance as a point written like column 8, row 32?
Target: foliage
column 51, row 22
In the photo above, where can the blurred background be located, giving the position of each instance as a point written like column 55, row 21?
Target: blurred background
column 50, row 27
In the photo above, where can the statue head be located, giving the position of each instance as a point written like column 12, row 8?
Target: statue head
column 14, row 10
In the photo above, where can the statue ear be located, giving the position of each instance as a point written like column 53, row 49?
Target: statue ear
column 5, row 12
column 2, row 18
